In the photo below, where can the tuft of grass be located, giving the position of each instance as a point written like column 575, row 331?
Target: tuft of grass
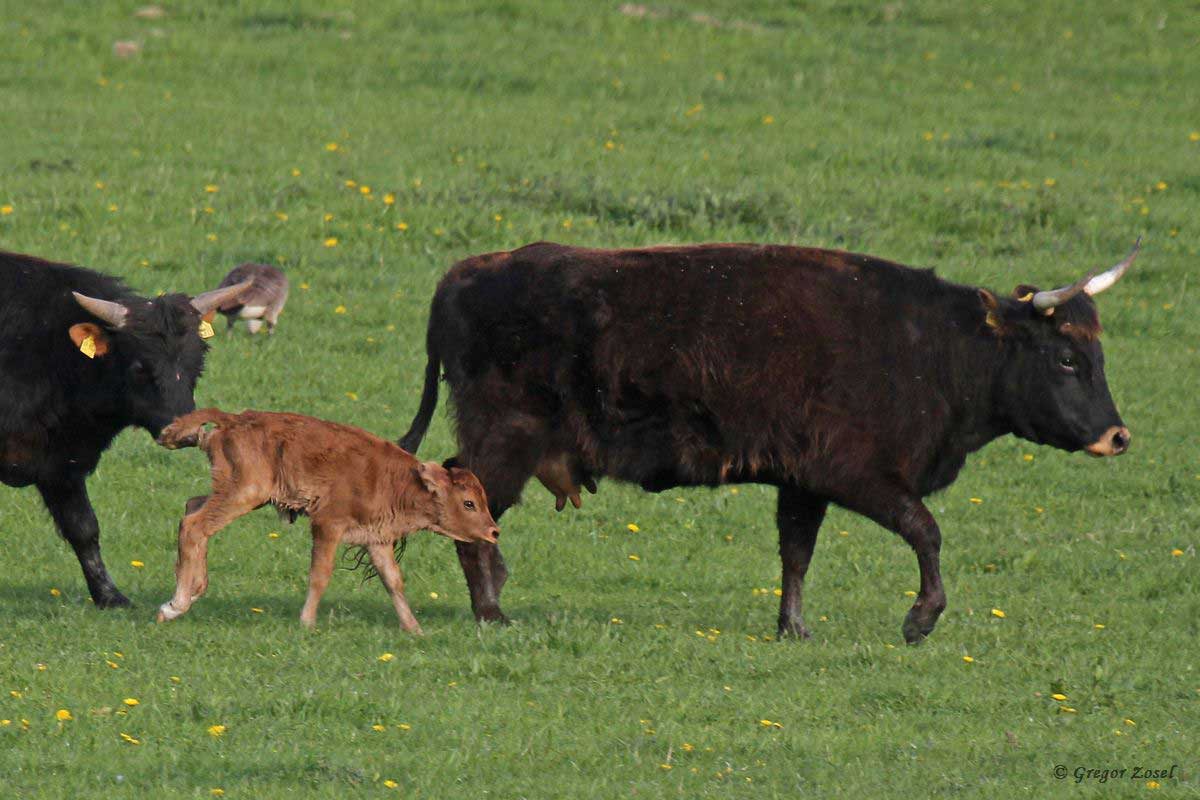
column 1001, row 144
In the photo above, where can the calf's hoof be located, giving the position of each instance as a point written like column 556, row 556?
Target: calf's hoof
column 167, row 612
column 492, row 614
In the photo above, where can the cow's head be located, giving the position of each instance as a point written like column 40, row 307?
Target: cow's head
column 460, row 503
column 148, row 354
column 1052, row 388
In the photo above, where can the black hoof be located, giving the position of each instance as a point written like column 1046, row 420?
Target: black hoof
column 111, row 600
column 915, row 628
column 492, row 615
column 793, row 630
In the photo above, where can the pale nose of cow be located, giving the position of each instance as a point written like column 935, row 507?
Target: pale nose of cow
column 494, row 533
column 1114, row 442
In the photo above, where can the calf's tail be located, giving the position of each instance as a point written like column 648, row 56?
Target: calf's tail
column 429, row 397
column 188, row 430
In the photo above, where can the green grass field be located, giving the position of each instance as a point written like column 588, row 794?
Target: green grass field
column 365, row 147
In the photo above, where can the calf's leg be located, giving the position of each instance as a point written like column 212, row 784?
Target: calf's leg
column 69, row 506
column 204, row 517
column 324, row 547
column 393, row 580
column 799, row 516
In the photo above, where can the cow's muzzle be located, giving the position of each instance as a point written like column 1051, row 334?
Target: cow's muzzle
column 1114, row 442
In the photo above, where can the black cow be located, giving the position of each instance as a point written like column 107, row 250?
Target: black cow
column 836, row 377
column 81, row 358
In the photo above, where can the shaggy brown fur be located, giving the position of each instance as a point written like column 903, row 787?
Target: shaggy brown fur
column 356, row 488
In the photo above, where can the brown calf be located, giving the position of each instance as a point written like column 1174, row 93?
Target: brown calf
column 355, row 487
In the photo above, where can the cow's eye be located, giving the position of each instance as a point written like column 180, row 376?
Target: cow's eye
column 469, row 505
column 1067, row 363
column 140, row 371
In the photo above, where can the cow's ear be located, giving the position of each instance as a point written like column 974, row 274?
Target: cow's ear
column 1024, row 292
column 90, row 339
column 433, row 477
column 210, row 316
column 993, row 316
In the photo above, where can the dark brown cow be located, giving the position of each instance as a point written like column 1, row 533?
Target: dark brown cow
column 355, row 487
column 836, row 377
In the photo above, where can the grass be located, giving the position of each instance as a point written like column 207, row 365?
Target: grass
column 1021, row 142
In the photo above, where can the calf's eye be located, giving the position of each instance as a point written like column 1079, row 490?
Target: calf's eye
column 469, row 505
column 1067, row 362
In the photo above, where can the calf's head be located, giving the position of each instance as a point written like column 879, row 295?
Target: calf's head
column 1052, row 388
column 460, row 504
column 147, row 354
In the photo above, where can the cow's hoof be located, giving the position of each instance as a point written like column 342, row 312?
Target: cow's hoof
column 113, row 599
column 793, row 630
column 916, row 628
column 167, row 612
column 493, row 615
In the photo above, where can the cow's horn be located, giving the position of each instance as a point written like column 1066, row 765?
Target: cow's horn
column 1045, row 302
column 1107, row 278
column 208, row 301
column 112, row 313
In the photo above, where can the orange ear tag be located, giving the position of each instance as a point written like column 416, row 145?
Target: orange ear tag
column 88, row 346
column 206, row 330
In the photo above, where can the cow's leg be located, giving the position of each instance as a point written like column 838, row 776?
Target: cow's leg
column 389, row 572
column 504, row 471
column 799, row 516
column 324, row 548
column 72, row 512
column 907, row 516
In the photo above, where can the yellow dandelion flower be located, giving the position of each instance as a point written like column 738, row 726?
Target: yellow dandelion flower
column 364, row 189
column 910, row 593
column 1066, row 709
column 976, row 500
column 729, row 537
column 216, row 730
column 617, row 621
column 378, row 728
column 390, row 784
column 665, row 766
column 273, row 535
column 634, row 557
column 63, row 715
column 439, row 231
column 331, row 146
column 130, row 739
column 4, row 723
column 1099, row 626
column 113, row 207
column 766, row 723
column 1129, row 722
column 1058, row 696
column 1177, row 552
column 1050, row 182
column 1152, row 784
column 212, row 188
column 99, row 184
column 694, row 110
column 212, row 237
column 1194, row 136
column 42, row 667
column 304, row 286
column 632, row 527
column 352, row 395
column 386, row 657
column 281, row 216
column 389, row 199
column 54, row 592
column 1028, row 456
column 5, row 210
column 340, row 310
column 777, row 592
column 434, row 595
column 332, row 241
column 295, row 172
column 998, row 613
column 130, row 701
column 138, row 564
column 968, row 659
column 927, row 136
column 256, row 610
column 401, row 226
column 15, row 694
column 113, row 664
column 688, row 747
column 768, row 120
column 176, row 679
column 217, row 792
column 567, row 223
column 404, row 726
column 610, row 145
column 1161, row 186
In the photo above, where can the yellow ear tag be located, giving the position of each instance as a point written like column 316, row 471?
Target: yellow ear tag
column 206, row 330
column 88, row 346
column 992, row 320
column 1026, row 298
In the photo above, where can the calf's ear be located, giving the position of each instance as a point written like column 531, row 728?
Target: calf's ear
column 433, row 477
column 993, row 315
column 90, row 339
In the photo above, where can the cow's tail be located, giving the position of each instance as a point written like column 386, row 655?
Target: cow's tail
column 429, row 397
column 188, row 430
